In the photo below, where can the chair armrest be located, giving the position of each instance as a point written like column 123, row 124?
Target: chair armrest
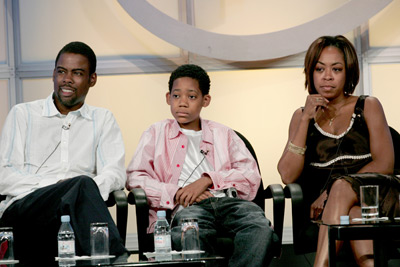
column 275, row 191
column 137, row 197
column 119, row 198
column 295, row 192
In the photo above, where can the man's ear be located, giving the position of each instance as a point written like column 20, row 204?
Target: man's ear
column 168, row 98
column 206, row 100
column 54, row 74
column 93, row 79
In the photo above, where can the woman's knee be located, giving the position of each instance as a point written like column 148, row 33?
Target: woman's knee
column 341, row 188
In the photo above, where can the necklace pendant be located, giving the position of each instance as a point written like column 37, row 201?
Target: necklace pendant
column 330, row 122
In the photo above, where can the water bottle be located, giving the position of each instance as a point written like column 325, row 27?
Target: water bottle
column 162, row 234
column 66, row 239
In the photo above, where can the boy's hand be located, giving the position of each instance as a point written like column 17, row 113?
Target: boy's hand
column 205, row 195
column 189, row 194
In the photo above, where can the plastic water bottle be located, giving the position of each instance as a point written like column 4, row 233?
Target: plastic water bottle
column 66, row 239
column 162, row 234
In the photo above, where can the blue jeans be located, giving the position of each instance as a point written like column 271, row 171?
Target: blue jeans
column 242, row 220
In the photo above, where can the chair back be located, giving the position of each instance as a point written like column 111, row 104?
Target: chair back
column 274, row 191
column 259, row 199
column 396, row 145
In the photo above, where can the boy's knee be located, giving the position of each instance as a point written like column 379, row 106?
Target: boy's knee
column 263, row 228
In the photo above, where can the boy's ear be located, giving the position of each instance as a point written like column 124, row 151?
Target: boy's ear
column 167, row 96
column 206, row 100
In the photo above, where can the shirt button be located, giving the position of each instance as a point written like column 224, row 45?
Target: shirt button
column 218, row 186
column 183, row 146
column 167, row 202
column 177, row 165
column 234, row 184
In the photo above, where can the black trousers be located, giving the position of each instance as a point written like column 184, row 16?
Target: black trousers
column 36, row 218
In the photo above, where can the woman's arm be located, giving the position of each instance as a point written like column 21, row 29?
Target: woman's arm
column 291, row 164
column 381, row 144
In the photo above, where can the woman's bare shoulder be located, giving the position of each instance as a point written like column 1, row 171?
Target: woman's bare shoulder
column 372, row 105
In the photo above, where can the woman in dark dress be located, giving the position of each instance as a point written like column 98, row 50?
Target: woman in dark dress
column 338, row 142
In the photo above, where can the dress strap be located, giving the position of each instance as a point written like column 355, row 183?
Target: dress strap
column 359, row 107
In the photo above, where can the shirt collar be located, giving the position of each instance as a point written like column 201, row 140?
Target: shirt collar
column 175, row 130
column 207, row 135
column 50, row 109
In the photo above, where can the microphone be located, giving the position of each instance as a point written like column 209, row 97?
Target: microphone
column 66, row 127
column 204, row 152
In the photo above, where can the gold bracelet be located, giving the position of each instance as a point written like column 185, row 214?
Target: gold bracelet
column 296, row 149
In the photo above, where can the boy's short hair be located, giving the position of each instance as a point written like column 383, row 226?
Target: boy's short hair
column 350, row 59
column 81, row 49
column 194, row 72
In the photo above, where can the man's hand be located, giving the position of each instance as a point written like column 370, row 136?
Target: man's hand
column 194, row 192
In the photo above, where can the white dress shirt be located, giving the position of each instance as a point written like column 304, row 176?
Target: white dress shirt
column 40, row 146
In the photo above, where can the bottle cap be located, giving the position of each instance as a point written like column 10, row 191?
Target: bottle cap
column 65, row 218
column 161, row 213
column 344, row 219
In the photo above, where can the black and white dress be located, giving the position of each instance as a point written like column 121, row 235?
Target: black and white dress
column 330, row 157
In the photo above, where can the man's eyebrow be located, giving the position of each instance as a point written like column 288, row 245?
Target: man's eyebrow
column 76, row 69
column 83, row 70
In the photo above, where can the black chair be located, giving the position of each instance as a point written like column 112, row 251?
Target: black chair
column 137, row 197
column 118, row 198
column 396, row 145
column 305, row 233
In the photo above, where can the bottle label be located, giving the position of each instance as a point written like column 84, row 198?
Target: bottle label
column 66, row 247
column 162, row 241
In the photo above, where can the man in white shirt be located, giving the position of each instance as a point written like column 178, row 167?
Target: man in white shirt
column 60, row 156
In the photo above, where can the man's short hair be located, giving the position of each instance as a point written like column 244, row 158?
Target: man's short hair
column 81, row 49
column 194, row 72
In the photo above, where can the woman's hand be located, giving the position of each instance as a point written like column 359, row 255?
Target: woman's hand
column 314, row 103
column 318, row 206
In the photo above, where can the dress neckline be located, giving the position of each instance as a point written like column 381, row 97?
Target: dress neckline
column 359, row 107
column 334, row 135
